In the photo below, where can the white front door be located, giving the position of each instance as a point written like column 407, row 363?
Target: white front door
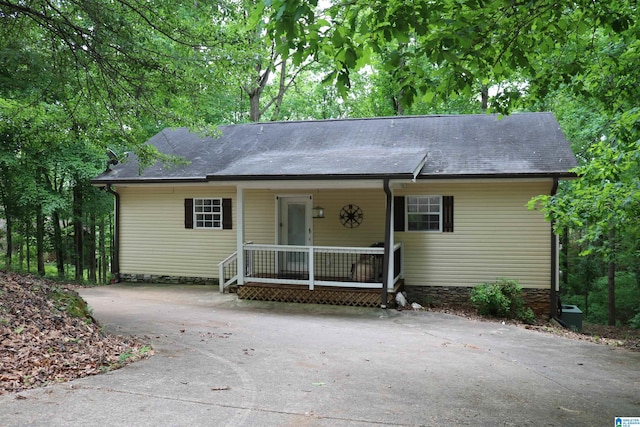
column 294, row 228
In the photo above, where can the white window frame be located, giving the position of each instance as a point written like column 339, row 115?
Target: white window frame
column 427, row 203
column 199, row 220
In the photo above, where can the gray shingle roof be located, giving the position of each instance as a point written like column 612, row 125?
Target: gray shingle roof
column 529, row 144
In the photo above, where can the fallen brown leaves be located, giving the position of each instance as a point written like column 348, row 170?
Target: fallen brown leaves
column 614, row 336
column 42, row 343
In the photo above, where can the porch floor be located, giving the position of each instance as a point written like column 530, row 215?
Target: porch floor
column 355, row 297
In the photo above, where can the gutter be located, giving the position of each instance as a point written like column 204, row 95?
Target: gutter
column 115, row 256
column 553, row 294
column 413, row 176
column 387, row 245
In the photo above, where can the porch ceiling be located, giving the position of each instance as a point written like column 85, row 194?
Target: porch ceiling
column 311, row 184
column 328, row 161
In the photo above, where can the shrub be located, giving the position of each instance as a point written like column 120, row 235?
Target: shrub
column 502, row 298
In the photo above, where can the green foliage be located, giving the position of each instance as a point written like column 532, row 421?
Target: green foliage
column 79, row 77
column 635, row 321
column 132, row 353
column 502, row 298
column 597, row 106
column 627, row 300
column 468, row 42
column 70, row 302
column 125, row 356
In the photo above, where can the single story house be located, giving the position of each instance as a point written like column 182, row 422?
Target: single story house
column 347, row 211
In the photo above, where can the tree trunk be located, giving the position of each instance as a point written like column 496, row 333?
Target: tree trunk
column 611, row 285
column 92, row 247
column 40, row 239
column 254, row 107
column 57, row 243
column 25, row 246
column 112, row 243
column 256, row 92
column 636, row 270
column 103, row 251
column 565, row 261
column 611, row 280
column 282, row 88
column 77, row 232
column 586, row 304
column 484, row 96
column 398, row 108
column 8, row 253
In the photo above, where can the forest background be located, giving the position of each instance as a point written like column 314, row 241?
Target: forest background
column 85, row 82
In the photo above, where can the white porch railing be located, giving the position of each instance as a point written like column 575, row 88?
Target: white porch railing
column 320, row 265
column 228, row 271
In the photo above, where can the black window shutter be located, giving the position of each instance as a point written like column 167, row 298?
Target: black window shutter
column 398, row 213
column 227, row 216
column 188, row 213
column 447, row 214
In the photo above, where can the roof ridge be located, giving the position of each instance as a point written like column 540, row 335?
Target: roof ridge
column 381, row 118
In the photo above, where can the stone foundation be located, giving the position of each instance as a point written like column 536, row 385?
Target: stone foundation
column 458, row 296
column 539, row 300
column 168, row 280
column 435, row 296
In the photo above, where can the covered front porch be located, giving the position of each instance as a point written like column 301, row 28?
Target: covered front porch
column 342, row 254
column 315, row 274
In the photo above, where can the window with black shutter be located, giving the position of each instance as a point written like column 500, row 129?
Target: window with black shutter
column 432, row 213
column 188, row 213
column 447, row 214
column 210, row 213
column 227, row 216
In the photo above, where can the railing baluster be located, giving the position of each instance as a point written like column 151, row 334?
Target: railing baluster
column 318, row 265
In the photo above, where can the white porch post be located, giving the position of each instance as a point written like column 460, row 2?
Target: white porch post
column 240, row 234
column 387, row 263
column 311, row 269
column 392, row 243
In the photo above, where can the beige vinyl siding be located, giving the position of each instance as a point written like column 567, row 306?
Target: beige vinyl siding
column 495, row 235
column 329, row 231
column 153, row 239
column 260, row 216
column 494, row 232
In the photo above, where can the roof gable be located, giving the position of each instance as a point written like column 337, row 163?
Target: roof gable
column 449, row 146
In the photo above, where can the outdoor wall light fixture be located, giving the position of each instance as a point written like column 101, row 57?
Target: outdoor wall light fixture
column 318, row 212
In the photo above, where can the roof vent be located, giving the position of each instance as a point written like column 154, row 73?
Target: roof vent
column 113, row 159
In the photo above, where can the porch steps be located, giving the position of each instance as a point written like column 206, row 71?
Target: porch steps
column 319, row 295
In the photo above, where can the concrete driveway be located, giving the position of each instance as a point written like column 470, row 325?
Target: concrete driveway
column 224, row 362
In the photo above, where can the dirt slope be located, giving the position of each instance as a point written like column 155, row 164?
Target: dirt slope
column 47, row 335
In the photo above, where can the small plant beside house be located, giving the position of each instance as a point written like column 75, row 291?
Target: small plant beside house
column 502, row 298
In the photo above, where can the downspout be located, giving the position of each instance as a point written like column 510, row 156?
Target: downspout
column 115, row 259
column 554, row 262
column 387, row 248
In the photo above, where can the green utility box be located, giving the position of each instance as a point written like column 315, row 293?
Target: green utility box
column 572, row 317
